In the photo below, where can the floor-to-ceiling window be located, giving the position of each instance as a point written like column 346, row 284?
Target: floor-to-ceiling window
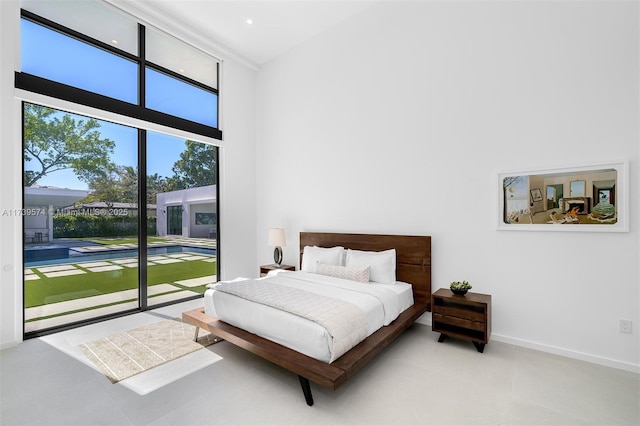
column 118, row 216
column 80, row 189
column 182, row 239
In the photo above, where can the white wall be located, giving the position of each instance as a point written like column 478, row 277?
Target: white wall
column 237, row 174
column 397, row 121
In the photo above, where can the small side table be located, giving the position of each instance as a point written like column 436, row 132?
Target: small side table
column 465, row 317
column 265, row 269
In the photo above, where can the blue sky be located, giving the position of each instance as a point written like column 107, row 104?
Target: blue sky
column 520, row 189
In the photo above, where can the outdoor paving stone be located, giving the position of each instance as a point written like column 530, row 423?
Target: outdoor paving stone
column 56, row 268
column 194, row 282
column 79, row 249
column 154, row 258
column 78, row 316
column 64, row 273
column 105, row 268
column 211, row 260
column 156, row 300
column 76, row 304
column 28, row 271
column 124, row 261
column 31, row 277
column 153, row 290
column 178, row 255
column 93, row 264
column 195, row 257
column 164, row 261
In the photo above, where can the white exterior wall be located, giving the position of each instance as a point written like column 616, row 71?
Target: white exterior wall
column 192, row 201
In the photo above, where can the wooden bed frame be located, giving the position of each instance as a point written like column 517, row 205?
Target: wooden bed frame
column 413, row 265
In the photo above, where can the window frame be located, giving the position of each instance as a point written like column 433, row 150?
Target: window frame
column 33, row 89
column 65, row 92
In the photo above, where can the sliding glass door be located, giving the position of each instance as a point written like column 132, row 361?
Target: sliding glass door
column 181, row 218
column 84, row 218
column 80, row 214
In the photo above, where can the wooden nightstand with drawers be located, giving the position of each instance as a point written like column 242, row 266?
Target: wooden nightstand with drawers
column 464, row 317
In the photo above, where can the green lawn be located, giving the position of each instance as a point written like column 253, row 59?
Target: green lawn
column 52, row 290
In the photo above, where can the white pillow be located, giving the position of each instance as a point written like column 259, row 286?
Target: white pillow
column 312, row 255
column 360, row 275
column 382, row 264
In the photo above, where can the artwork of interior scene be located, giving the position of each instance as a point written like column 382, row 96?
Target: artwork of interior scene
column 576, row 197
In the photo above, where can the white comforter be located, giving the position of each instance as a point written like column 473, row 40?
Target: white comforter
column 381, row 304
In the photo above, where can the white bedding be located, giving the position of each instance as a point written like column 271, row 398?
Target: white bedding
column 381, row 303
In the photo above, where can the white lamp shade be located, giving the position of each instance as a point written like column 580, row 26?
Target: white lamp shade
column 276, row 237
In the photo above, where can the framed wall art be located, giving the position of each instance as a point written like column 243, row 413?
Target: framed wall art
column 593, row 198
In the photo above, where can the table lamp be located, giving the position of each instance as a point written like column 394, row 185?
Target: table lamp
column 277, row 239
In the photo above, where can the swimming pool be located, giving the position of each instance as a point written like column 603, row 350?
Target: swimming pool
column 76, row 257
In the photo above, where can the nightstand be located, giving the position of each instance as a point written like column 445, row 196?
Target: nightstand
column 265, row 269
column 464, row 317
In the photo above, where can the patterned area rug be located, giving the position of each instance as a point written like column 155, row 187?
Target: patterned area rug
column 126, row 354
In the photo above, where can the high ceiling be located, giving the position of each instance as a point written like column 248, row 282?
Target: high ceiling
column 277, row 26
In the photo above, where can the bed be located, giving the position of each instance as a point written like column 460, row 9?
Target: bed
column 413, row 266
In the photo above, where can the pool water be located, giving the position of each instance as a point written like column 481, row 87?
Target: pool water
column 75, row 257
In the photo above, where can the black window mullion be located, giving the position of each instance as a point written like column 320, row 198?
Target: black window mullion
column 65, row 92
column 142, row 219
column 142, row 180
column 142, row 52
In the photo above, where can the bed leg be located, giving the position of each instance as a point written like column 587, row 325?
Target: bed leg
column 195, row 337
column 306, row 389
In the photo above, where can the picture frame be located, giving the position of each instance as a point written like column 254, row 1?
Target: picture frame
column 585, row 198
column 536, row 195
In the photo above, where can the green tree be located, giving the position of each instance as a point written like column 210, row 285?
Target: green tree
column 119, row 185
column 53, row 142
column 155, row 184
column 195, row 168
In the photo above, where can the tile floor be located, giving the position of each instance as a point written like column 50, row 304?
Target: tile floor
column 414, row 381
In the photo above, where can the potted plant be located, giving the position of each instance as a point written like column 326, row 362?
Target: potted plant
column 460, row 287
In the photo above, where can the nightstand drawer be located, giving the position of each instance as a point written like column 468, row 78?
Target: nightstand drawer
column 459, row 313
column 460, row 322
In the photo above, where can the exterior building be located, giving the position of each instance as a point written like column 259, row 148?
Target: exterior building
column 188, row 212
column 41, row 203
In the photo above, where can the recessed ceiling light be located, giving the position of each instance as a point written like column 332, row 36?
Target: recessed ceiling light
column 114, row 41
column 181, row 70
column 249, row 21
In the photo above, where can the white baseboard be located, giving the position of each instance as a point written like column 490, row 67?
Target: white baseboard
column 425, row 319
column 608, row 362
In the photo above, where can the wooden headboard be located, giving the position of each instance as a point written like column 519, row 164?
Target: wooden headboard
column 413, row 255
